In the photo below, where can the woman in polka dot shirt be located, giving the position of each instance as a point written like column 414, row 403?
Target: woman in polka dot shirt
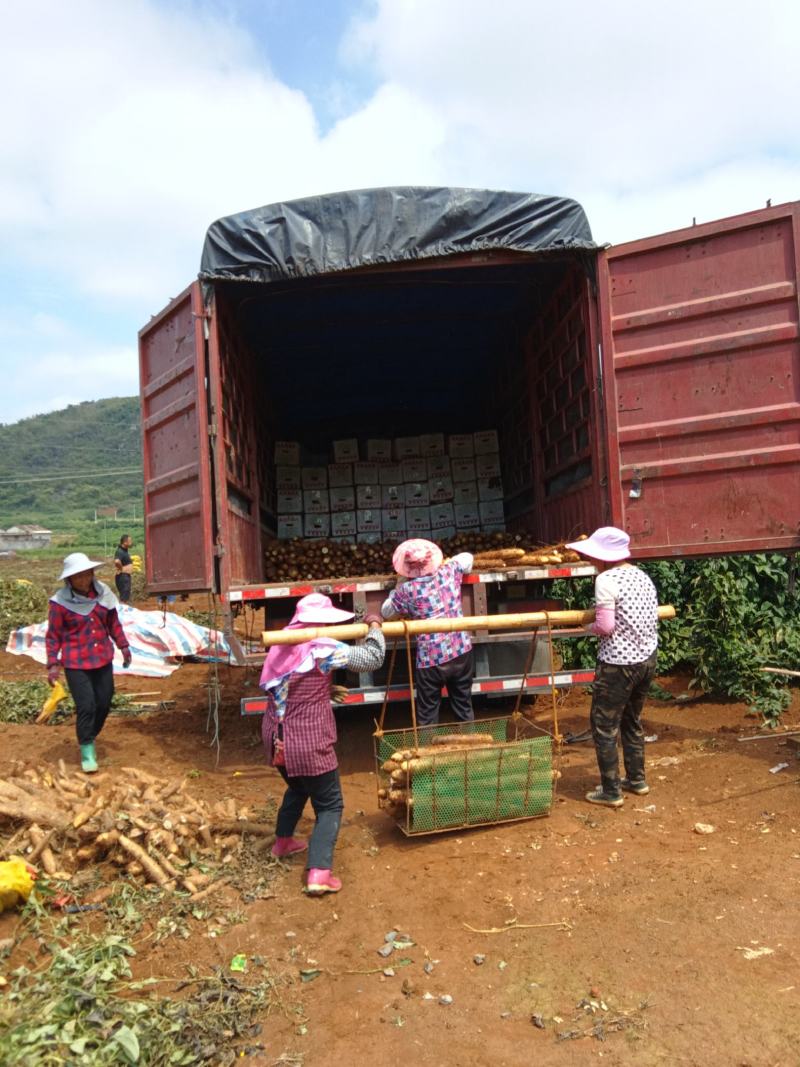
column 626, row 622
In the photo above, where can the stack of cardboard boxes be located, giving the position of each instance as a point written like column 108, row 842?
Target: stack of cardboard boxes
column 425, row 486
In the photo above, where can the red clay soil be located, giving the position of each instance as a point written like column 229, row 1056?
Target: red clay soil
column 657, row 921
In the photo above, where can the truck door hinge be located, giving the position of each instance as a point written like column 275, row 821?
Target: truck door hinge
column 212, row 429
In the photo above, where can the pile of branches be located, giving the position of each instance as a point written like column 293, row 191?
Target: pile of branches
column 316, row 560
column 149, row 827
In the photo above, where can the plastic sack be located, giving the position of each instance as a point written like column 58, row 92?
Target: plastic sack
column 16, row 883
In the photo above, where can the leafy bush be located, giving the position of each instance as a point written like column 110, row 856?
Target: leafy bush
column 21, row 604
column 735, row 614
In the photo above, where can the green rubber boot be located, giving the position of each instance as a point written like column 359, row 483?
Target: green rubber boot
column 88, row 758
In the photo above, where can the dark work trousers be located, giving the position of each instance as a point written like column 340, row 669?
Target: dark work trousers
column 92, row 692
column 618, row 696
column 123, row 584
column 457, row 675
column 325, row 793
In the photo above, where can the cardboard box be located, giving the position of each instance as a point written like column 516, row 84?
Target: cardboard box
column 340, row 474
column 368, row 520
column 468, row 517
column 486, row 442
column 343, row 524
column 393, row 496
column 463, row 470
column 316, row 502
column 487, row 466
column 287, row 453
column 290, row 503
column 379, row 450
column 368, row 538
column 492, row 513
column 494, row 527
column 343, row 498
column 393, row 522
column 442, row 515
column 431, row 444
column 345, row 451
column 444, row 532
column 365, row 473
column 416, row 495
column 315, row 477
column 490, row 489
column 290, row 526
column 343, row 540
column 406, row 448
column 440, row 490
column 461, row 446
column 317, row 526
column 417, row 520
column 287, row 478
column 439, row 467
column 466, row 493
column 390, row 474
column 368, row 496
column 414, row 470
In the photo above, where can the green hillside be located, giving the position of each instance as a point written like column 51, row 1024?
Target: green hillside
column 57, row 469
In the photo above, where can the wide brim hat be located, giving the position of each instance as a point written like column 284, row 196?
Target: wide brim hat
column 607, row 544
column 317, row 609
column 76, row 563
column 417, row 558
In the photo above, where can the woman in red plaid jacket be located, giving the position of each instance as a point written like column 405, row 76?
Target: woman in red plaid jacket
column 299, row 731
column 82, row 629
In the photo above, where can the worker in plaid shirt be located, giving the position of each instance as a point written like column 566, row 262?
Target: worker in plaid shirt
column 299, row 731
column 82, row 628
column 430, row 588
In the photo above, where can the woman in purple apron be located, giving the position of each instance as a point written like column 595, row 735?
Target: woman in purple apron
column 299, row 731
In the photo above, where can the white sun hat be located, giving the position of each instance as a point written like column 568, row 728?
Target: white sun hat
column 76, row 562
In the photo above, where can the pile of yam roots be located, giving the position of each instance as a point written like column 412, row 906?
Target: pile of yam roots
column 150, row 827
column 445, row 755
column 310, row 560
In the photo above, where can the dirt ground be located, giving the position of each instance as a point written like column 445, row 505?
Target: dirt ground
column 682, row 948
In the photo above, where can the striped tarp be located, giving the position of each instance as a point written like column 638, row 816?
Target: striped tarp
column 159, row 642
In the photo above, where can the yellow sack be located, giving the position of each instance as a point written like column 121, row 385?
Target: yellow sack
column 48, row 708
column 16, row 883
column 137, row 563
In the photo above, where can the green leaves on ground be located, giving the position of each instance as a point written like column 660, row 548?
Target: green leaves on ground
column 21, row 603
column 83, row 1010
column 735, row 614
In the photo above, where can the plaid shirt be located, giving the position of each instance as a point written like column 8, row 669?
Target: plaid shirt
column 434, row 597
column 301, row 704
column 83, row 642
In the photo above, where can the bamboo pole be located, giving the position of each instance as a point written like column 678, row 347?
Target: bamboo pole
column 355, row 630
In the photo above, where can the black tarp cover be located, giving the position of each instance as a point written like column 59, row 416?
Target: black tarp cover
column 368, row 227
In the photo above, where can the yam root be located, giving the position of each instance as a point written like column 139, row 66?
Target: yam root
column 463, row 739
column 154, row 871
column 242, row 826
column 40, row 840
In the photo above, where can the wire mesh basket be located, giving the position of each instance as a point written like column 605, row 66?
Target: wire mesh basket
column 462, row 774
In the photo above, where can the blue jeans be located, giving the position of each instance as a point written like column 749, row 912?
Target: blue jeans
column 325, row 793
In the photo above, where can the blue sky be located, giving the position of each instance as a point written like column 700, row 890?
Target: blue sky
column 132, row 126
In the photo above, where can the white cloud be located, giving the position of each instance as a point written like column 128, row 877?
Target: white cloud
column 129, row 127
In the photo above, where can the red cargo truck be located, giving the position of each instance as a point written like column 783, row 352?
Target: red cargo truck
column 654, row 385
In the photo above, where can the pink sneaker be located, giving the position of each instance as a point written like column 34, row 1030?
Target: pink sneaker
column 287, row 846
column 320, row 882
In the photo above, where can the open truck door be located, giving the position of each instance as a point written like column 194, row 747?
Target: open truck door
column 179, row 543
column 701, row 367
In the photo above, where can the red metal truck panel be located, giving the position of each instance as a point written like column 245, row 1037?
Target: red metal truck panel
column 701, row 359
column 237, row 417
column 177, row 473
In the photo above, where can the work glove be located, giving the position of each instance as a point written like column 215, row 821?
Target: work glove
column 53, row 673
column 126, row 657
column 373, row 620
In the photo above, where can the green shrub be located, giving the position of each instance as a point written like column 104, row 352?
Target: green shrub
column 21, row 603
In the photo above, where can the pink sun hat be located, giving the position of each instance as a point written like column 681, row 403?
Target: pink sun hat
column 607, row 544
column 317, row 609
column 417, row 558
